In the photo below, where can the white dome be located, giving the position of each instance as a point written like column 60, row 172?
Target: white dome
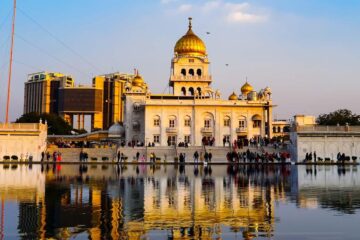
column 116, row 130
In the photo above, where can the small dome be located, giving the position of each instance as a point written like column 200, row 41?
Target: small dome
column 138, row 81
column 190, row 44
column 116, row 130
column 246, row 88
column 233, row 96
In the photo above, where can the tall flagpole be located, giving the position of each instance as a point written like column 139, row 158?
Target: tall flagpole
column 10, row 64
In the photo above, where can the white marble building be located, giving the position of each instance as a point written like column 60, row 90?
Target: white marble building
column 194, row 112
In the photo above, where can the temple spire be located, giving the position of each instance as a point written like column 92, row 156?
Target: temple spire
column 190, row 25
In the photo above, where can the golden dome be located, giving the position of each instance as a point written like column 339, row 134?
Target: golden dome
column 246, row 88
column 138, row 81
column 233, row 96
column 190, row 44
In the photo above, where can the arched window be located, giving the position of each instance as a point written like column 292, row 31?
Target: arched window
column 183, row 90
column 157, row 121
column 274, row 129
column 256, row 121
column 199, row 91
column 198, row 72
column 183, row 72
column 242, row 122
column 279, row 129
column 226, row 121
column 172, row 121
column 191, row 91
column 191, row 72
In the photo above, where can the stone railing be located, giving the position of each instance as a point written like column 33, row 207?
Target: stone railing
column 317, row 128
column 190, row 78
column 171, row 129
column 241, row 130
column 22, row 126
column 207, row 130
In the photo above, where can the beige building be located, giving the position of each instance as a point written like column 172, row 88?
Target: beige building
column 19, row 141
column 194, row 112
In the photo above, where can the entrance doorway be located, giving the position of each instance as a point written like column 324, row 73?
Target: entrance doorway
column 208, row 140
column 171, row 140
column 243, row 141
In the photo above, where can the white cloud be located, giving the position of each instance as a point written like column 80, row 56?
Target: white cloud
column 242, row 17
column 239, row 13
column 185, row 8
column 237, row 6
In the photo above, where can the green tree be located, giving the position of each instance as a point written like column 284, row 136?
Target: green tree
column 341, row 116
column 56, row 125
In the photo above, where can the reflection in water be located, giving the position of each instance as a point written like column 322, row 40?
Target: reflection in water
column 172, row 201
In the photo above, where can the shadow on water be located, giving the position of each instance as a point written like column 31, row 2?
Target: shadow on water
column 173, row 201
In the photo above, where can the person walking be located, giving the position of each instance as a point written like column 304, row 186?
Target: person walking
column 315, row 156
column 137, row 156
column 118, row 156
column 42, row 156
column 210, row 156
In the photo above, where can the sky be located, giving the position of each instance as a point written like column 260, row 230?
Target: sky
column 307, row 52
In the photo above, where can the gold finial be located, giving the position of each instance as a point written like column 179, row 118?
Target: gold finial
column 190, row 25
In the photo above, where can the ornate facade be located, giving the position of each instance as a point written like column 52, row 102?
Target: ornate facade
column 194, row 112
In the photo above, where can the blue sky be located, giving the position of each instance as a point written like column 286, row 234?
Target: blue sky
column 307, row 52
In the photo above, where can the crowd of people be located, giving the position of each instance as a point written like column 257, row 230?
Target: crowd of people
column 340, row 157
column 256, row 157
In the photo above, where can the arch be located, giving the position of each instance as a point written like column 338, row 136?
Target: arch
column 256, row 121
column 183, row 90
column 191, row 91
column 286, row 129
column 227, row 121
column 279, row 129
column 172, row 121
column 256, row 117
column 199, row 72
column 199, row 91
column 274, row 129
column 156, row 120
column 183, row 72
column 242, row 122
column 191, row 72
column 208, row 119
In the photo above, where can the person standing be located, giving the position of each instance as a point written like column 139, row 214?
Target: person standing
column 210, row 156
column 315, row 156
column 137, row 156
column 196, row 157
column 206, row 156
column 118, row 156
column 42, row 156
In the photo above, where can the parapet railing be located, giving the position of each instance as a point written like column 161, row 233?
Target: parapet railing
column 22, row 126
column 317, row 128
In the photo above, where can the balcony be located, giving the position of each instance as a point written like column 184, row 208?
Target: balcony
column 241, row 130
column 171, row 129
column 207, row 130
column 190, row 78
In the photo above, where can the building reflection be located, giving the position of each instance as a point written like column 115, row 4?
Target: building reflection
column 135, row 201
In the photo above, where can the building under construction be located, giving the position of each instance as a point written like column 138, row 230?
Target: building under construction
column 56, row 93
